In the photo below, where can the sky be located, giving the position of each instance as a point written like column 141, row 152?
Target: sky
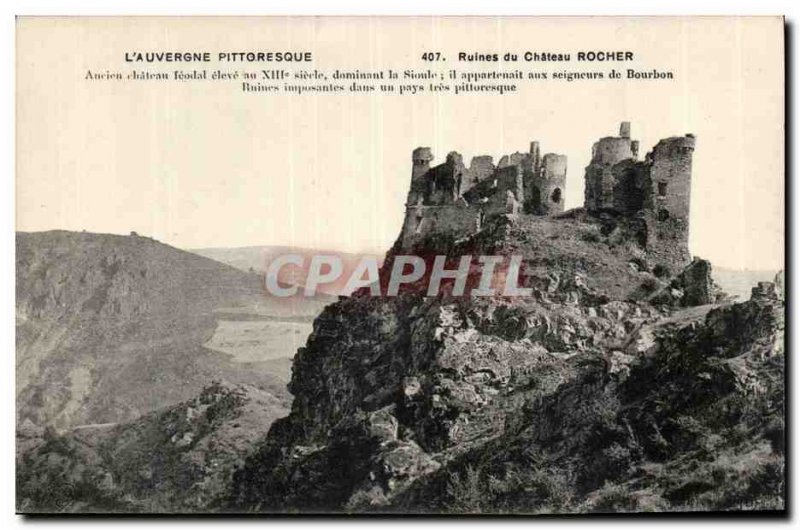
column 199, row 165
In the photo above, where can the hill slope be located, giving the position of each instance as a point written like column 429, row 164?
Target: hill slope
column 110, row 327
column 178, row 459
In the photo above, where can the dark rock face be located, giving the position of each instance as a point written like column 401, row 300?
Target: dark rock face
column 582, row 397
column 694, row 286
column 697, row 423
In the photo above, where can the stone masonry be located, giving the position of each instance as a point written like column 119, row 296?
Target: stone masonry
column 655, row 190
column 453, row 200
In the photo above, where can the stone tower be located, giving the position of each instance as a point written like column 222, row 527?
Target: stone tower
column 545, row 185
column 421, row 161
column 545, row 179
column 656, row 190
column 668, row 199
column 420, row 166
column 600, row 180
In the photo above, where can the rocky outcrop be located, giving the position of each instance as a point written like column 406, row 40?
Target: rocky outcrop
column 180, row 459
column 402, row 403
column 693, row 286
column 697, row 424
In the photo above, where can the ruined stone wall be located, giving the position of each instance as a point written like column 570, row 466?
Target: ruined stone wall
column 440, row 185
column 436, row 204
column 444, row 181
column 599, row 187
column 610, row 150
column 544, row 189
column 667, row 241
column 600, row 176
column 507, row 179
column 667, row 203
column 657, row 190
column 524, row 160
column 671, row 177
column 553, row 185
column 455, row 220
column 452, row 200
column 480, row 168
column 631, row 186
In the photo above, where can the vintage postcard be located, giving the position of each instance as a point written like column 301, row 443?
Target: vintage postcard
column 400, row 265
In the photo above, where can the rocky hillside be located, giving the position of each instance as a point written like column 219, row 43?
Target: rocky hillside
column 179, row 459
column 111, row 327
column 620, row 385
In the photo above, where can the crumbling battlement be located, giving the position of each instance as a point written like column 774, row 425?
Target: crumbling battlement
column 452, row 199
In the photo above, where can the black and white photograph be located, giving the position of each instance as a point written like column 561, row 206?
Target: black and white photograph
column 389, row 266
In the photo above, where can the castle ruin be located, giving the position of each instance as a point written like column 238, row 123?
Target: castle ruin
column 451, row 199
column 655, row 190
